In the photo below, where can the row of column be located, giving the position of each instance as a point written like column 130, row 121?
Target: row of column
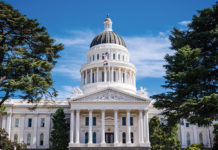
column 143, row 127
column 129, row 76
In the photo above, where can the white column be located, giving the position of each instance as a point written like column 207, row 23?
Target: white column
column 126, row 76
column 146, row 127
column 9, row 125
column 97, row 73
column 119, row 75
column 105, row 74
column 141, row 136
column 90, row 127
column 4, row 122
column 77, row 125
column 90, row 75
column 22, row 137
column 86, row 78
column 35, row 130
column 182, row 136
column 102, row 127
column 128, row 127
column 115, row 127
column 195, row 135
column 71, row 126
column 112, row 74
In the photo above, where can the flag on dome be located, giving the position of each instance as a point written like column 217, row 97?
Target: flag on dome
column 105, row 63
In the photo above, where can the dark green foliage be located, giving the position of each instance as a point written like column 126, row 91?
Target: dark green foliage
column 191, row 72
column 163, row 137
column 215, row 132
column 6, row 144
column 27, row 56
column 60, row 133
column 196, row 147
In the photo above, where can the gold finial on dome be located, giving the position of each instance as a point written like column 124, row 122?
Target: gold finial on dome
column 108, row 18
column 107, row 24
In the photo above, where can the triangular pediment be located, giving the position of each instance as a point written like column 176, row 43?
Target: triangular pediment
column 110, row 95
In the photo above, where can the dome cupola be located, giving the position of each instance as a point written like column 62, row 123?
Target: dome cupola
column 107, row 36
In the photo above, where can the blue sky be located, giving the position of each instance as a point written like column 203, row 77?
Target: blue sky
column 144, row 24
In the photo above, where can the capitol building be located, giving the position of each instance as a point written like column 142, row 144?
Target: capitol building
column 107, row 112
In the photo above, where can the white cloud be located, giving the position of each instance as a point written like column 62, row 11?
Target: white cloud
column 147, row 53
column 184, row 23
column 65, row 92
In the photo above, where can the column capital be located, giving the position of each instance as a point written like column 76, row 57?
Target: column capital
column 90, row 110
column 77, row 110
column 103, row 110
column 146, row 110
column 116, row 109
column 128, row 110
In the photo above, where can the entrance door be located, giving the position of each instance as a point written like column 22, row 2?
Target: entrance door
column 109, row 137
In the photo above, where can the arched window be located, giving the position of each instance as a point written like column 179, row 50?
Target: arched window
column 114, row 56
column 41, row 139
column 94, row 137
column 124, row 137
column 188, row 139
column 201, row 138
column 86, row 137
column 102, row 76
column 132, row 137
column 28, row 141
column 15, row 138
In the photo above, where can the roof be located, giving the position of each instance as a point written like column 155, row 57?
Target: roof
column 108, row 37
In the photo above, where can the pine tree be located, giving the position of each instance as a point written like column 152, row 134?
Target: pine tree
column 60, row 133
column 27, row 56
column 191, row 72
column 163, row 136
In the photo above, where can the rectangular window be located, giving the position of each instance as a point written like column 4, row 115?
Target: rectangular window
column 93, row 77
column 131, row 121
column 30, row 122
column 103, row 56
column 123, row 58
column 90, row 58
column 16, row 123
column 87, row 121
column 119, row 56
column 114, row 56
column 114, row 76
column 94, row 121
column 93, row 57
column 123, row 121
column 97, row 56
column 187, row 125
column 102, row 75
column 42, row 124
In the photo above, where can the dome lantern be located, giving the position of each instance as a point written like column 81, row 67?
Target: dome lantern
column 107, row 24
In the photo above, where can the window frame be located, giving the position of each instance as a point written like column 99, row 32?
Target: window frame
column 17, row 122
column 94, row 121
column 86, row 121
column 123, row 121
column 124, row 137
column 42, row 123
column 30, row 122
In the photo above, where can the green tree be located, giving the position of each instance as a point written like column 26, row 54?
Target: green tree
column 163, row 136
column 27, row 56
column 215, row 145
column 196, row 147
column 191, row 72
column 60, row 133
column 6, row 144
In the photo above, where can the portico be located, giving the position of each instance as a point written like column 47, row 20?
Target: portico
column 109, row 122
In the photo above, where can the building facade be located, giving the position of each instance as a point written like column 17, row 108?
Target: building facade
column 106, row 112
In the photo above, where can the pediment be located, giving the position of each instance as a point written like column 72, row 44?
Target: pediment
column 110, row 95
